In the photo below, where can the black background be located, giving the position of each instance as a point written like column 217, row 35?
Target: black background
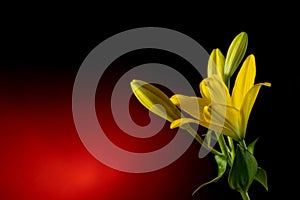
column 29, row 39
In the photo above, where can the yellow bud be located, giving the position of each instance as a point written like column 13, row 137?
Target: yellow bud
column 155, row 100
column 216, row 63
column 235, row 54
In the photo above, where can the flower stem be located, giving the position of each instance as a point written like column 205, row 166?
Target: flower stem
column 245, row 195
column 224, row 148
column 193, row 133
column 230, row 140
column 231, row 145
column 222, row 144
column 243, row 144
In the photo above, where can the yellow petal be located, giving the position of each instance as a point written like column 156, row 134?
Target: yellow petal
column 244, row 81
column 214, row 89
column 219, row 128
column 223, row 129
column 223, row 116
column 216, row 63
column 191, row 105
column 248, row 104
column 183, row 121
column 235, row 53
column 204, row 90
column 155, row 100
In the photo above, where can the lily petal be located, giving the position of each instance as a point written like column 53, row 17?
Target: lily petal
column 212, row 126
column 214, row 88
column 183, row 121
column 225, row 116
column 244, row 81
column 191, row 105
column 248, row 104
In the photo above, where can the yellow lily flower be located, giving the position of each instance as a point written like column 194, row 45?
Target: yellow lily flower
column 220, row 111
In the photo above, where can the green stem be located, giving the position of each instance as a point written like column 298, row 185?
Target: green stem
column 224, row 148
column 230, row 140
column 232, row 148
column 243, row 144
column 193, row 133
column 222, row 144
column 245, row 195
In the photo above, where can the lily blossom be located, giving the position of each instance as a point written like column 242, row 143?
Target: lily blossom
column 217, row 109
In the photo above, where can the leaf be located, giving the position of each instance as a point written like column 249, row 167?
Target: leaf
column 243, row 170
column 261, row 177
column 222, row 163
column 251, row 146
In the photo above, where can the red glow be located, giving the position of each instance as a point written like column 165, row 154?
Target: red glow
column 42, row 156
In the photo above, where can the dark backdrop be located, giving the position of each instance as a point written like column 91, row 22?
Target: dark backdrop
column 41, row 154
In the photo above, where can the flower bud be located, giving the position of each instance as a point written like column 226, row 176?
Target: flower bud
column 243, row 170
column 235, row 54
column 216, row 63
column 155, row 100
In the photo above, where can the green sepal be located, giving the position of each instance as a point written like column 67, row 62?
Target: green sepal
column 261, row 174
column 251, row 146
column 222, row 164
column 261, row 177
column 243, row 170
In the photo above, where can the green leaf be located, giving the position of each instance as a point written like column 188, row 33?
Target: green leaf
column 243, row 170
column 222, row 163
column 261, row 177
column 251, row 146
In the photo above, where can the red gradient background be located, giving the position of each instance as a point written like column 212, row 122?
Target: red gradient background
column 41, row 154
column 43, row 157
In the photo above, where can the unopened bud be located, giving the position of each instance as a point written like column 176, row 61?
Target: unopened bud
column 155, row 100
